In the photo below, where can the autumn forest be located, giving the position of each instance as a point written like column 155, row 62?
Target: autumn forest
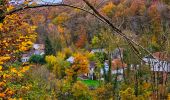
column 84, row 49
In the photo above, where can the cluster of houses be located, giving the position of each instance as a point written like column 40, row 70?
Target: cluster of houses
column 38, row 49
column 158, row 62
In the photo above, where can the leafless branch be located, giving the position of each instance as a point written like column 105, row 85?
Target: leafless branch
column 132, row 42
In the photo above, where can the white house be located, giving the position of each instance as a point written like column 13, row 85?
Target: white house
column 97, row 50
column 25, row 58
column 37, row 49
column 117, row 67
column 70, row 59
column 158, row 63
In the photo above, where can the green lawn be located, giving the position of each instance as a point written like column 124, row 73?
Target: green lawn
column 88, row 82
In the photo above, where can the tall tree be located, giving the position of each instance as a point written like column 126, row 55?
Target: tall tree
column 48, row 47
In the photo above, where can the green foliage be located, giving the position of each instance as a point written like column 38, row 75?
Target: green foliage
column 95, row 41
column 48, row 47
column 57, row 64
column 153, row 47
column 37, row 59
column 130, row 57
column 41, row 84
column 101, row 56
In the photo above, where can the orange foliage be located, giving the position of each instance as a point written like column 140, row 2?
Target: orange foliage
column 60, row 29
column 117, row 63
column 79, row 66
column 137, row 6
column 82, row 38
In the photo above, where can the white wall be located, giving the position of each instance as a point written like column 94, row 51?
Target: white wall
column 157, row 65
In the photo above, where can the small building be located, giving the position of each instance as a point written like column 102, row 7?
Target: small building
column 39, row 46
column 39, row 49
column 92, row 67
column 70, row 59
column 97, row 50
column 25, row 58
column 159, row 62
column 117, row 68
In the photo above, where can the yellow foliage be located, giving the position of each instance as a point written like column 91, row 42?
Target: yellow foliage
column 3, row 58
column 77, row 10
column 128, row 94
column 0, row 68
column 2, row 84
column 107, row 9
column 61, row 18
column 5, row 76
column 1, row 26
column 50, row 59
column 18, row 36
column 10, row 8
column 146, row 85
column 25, row 68
column 79, row 89
column 168, row 96
column 13, row 70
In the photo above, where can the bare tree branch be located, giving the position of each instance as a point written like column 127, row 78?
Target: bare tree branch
column 48, row 5
column 117, row 30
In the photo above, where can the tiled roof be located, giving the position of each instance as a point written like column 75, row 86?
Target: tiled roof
column 118, row 63
column 160, row 56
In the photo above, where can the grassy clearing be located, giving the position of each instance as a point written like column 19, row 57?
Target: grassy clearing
column 88, row 82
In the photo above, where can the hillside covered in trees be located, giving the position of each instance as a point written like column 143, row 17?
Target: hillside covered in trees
column 85, row 49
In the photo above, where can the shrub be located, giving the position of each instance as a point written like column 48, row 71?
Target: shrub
column 38, row 59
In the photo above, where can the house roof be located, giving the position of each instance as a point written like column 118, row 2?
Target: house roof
column 25, row 55
column 118, row 53
column 39, row 46
column 39, row 52
column 160, row 55
column 92, row 64
column 118, row 63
